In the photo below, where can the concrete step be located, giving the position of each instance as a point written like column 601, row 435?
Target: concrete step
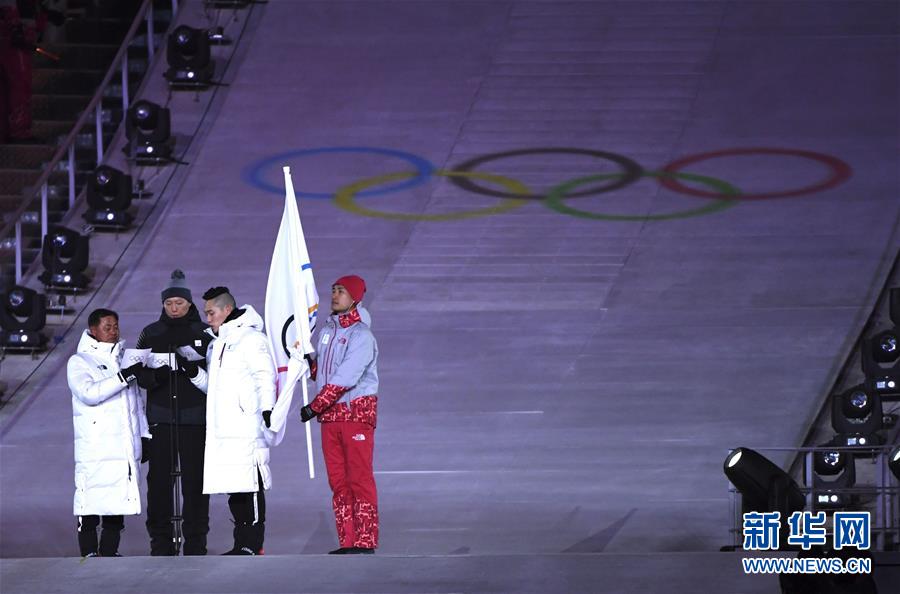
column 51, row 81
column 18, row 181
column 58, row 107
column 74, row 81
column 93, row 30
column 78, row 55
column 25, row 156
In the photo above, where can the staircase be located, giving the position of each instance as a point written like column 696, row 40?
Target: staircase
column 86, row 45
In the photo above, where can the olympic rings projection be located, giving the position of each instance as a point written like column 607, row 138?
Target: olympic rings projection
column 255, row 173
column 345, row 195
column 631, row 171
column 514, row 194
column 840, row 172
column 555, row 197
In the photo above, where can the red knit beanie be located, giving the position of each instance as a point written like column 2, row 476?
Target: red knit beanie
column 355, row 285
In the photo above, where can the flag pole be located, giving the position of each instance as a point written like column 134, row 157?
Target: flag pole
column 309, row 450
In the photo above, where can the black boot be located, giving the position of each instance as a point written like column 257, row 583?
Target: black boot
column 87, row 542
column 250, row 537
column 161, row 544
column 194, row 545
column 109, row 542
column 240, row 551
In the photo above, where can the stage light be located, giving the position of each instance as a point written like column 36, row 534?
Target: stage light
column 149, row 134
column 189, row 58
column 856, row 416
column 764, row 487
column 839, row 465
column 108, row 198
column 884, row 346
column 880, row 358
column 23, row 313
column 64, row 255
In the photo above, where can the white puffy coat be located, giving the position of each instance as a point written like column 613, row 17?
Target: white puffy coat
column 109, row 419
column 240, row 383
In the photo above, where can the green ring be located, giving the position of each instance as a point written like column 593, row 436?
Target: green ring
column 555, row 197
column 344, row 197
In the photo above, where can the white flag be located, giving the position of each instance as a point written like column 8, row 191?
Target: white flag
column 292, row 304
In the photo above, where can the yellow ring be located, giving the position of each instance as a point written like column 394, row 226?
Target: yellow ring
column 344, row 197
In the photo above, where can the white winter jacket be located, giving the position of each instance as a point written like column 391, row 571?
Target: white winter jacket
column 240, row 383
column 109, row 419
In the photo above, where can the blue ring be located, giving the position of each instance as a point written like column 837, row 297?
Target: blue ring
column 253, row 174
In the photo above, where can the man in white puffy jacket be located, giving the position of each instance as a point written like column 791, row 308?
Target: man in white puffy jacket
column 239, row 381
column 109, row 418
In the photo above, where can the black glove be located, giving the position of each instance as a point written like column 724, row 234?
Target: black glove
column 313, row 366
column 161, row 375
column 190, row 368
column 146, row 379
column 145, row 449
column 131, row 373
column 307, row 413
column 267, row 418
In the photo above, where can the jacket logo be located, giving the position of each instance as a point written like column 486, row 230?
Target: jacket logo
column 102, row 367
column 198, row 343
column 359, row 437
column 326, row 338
column 342, row 340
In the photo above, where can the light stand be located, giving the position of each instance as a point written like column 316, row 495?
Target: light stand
column 175, row 458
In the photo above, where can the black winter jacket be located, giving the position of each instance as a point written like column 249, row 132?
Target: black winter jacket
column 164, row 336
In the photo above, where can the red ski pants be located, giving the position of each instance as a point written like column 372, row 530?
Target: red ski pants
column 15, row 92
column 348, row 449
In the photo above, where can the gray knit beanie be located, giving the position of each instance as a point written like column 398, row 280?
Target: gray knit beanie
column 177, row 287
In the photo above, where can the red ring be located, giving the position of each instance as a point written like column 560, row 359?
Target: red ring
column 840, row 172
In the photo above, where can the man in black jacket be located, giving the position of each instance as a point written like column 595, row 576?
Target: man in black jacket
column 172, row 400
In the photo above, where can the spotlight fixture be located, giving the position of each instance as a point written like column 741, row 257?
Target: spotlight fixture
column 23, row 313
column 64, row 255
column 108, row 198
column 841, row 468
column 856, row 416
column 188, row 55
column 764, row 487
column 880, row 357
column 885, row 346
column 149, row 134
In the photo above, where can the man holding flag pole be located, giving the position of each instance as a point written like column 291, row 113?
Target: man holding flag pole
column 346, row 405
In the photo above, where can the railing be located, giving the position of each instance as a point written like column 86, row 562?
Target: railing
column 66, row 149
column 883, row 496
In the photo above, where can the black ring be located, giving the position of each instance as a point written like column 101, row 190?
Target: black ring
column 631, row 172
column 284, row 331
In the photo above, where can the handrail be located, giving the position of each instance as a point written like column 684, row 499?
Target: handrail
column 66, row 148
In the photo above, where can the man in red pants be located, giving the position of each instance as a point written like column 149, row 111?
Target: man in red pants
column 18, row 34
column 346, row 376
